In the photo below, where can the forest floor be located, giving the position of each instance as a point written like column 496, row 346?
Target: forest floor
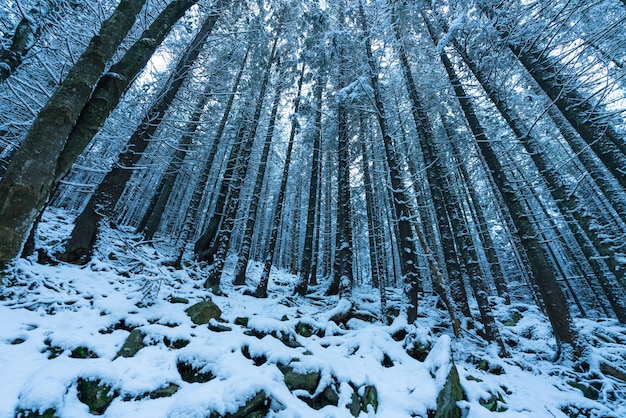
column 117, row 337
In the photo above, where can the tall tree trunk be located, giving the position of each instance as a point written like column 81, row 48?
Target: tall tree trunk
column 261, row 290
column 223, row 238
column 23, row 39
column 108, row 192
column 481, row 221
column 588, row 119
column 114, row 83
column 30, row 176
column 309, row 257
column 246, row 243
column 434, row 173
column 556, row 304
column 403, row 212
column 206, row 245
column 191, row 215
column 579, row 219
column 151, row 219
column 370, row 206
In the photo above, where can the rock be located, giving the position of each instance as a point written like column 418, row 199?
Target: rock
column 419, row 351
column 176, row 344
column 449, row 395
column 327, row 397
column 242, row 321
column 95, row 395
column 257, row 407
column 202, row 312
column 305, row 381
column 358, row 404
column 133, row 344
column 588, row 391
column 370, row 397
column 175, row 299
column 165, row 392
column 304, row 329
column 191, row 374
column 514, row 319
column 219, row 327
column 48, row 413
column 83, row 352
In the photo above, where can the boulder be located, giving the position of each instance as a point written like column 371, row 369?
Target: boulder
column 202, row 312
column 96, row 395
column 449, row 395
column 133, row 344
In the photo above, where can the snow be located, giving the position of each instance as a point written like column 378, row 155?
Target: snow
column 48, row 311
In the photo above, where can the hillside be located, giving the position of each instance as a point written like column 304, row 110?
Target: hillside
column 117, row 336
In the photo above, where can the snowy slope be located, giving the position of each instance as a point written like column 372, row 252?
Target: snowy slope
column 63, row 325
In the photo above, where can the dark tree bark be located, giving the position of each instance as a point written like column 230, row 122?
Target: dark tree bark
column 435, row 176
column 261, row 290
column 403, row 212
column 555, row 302
column 246, row 243
column 589, row 119
column 219, row 252
column 481, row 221
column 206, row 245
column 580, row 221
column 309, row 257
column 103, row 201
column 191, row 214
column 114, row 83
column 30, row 176
column 23, row 39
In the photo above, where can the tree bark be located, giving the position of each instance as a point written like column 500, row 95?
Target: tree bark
column 103, row 201
column 246, row 243
column 261, row 290
column 114, row 83
column 555, row 302
column 30, row 176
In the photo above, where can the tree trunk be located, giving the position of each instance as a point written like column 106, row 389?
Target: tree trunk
column 108, row 192
column 241, row 168
column 23, row 40
column 191, row 214
column 114, row 83
column 403, row 212
column 30, row 176
column 309, row 257
column 261, row 290
column 579, row 219
column 206, row 245
column 246, row 244
column 555, row 302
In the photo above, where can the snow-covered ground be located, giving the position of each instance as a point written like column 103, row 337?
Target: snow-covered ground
column 63, row 325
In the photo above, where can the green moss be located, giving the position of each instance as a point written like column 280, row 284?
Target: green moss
column 96, row 395
column 48, row 413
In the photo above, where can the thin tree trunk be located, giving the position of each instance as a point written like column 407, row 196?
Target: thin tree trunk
column 103, row 201
column 191, row 217
column 309, row 257
column 23, row 39
column 30, row 176
column 555, row 302
column 246, row 243
column 223, row 239
column 403, row 212
column 261, row 290
column 434, row 173
column 580, row 221
column 206, row 245
column 114, row 83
